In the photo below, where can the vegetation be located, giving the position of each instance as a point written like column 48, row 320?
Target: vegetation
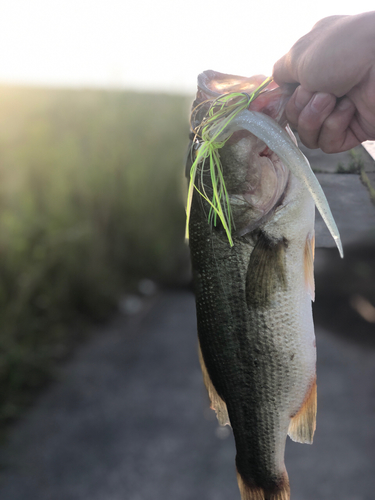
column 357, row 166
column 366, row 181
column 91, row 200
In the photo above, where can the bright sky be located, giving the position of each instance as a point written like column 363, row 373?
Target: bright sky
column 150, row 44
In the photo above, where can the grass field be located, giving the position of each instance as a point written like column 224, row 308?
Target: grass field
column 91, row 200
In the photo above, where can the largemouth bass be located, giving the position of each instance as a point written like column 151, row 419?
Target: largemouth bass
column 253, row 299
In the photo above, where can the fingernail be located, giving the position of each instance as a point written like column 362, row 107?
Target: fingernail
column 301, row 97
column 320, row 101
column 344, row 104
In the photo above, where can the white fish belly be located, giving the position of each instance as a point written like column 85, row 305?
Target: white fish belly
column 287, row 323
column 289, row 349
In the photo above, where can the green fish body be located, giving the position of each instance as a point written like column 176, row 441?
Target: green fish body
column 253, row 300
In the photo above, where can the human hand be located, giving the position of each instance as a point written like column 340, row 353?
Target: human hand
column 334, row 106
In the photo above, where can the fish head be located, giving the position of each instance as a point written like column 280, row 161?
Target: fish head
column 255, row 177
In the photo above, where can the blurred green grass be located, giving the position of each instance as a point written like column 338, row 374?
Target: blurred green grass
column 91, row 190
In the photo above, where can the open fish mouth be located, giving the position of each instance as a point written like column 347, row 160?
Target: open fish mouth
column 213, row 84
column 271, row 101
column 263, row 119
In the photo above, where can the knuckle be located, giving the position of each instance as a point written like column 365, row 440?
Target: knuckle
column 328, row 148
column 308, row 139
column 331, row 143
column 334, row 125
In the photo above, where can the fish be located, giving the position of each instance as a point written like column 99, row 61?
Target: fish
column 253, row 297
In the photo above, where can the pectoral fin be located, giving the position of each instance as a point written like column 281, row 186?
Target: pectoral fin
column 217, row 403
column 302, row 426
column 266, row 272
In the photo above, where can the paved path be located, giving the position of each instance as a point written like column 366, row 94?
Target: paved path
column 128, row 420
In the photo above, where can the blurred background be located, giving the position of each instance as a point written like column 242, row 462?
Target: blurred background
column 94, row 107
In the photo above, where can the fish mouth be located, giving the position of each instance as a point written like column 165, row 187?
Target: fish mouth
column 272, row 101
column 266, row 178
column 215, row 84
column 264, row 118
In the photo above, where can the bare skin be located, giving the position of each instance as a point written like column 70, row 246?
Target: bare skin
column 333, row 108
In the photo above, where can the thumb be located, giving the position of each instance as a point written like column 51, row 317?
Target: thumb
column 282, row 71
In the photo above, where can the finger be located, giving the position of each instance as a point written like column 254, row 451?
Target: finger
column 296, row 104
column 312, row 117
column 363, row 122
column 336, row 134
column 362, row 129
column 282, row 71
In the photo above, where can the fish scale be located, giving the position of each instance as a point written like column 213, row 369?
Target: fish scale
column 223, row 339
column 251, row 227
column 254, row 316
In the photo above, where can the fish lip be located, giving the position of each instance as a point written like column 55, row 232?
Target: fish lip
column 233, row 82
column 213, row 84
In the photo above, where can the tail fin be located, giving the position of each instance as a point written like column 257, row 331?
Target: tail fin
column 282, row 492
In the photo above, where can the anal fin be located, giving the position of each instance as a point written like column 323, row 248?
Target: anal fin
column 302, row 426
column 217, row 403
column 282, row 492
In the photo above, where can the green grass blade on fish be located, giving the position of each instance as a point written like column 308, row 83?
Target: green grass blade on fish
column 221, row 112
column 214, row 210
column 219, row 192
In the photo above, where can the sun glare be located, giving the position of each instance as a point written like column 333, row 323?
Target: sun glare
column 150, row 45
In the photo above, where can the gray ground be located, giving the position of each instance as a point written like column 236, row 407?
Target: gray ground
column 128, row 418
